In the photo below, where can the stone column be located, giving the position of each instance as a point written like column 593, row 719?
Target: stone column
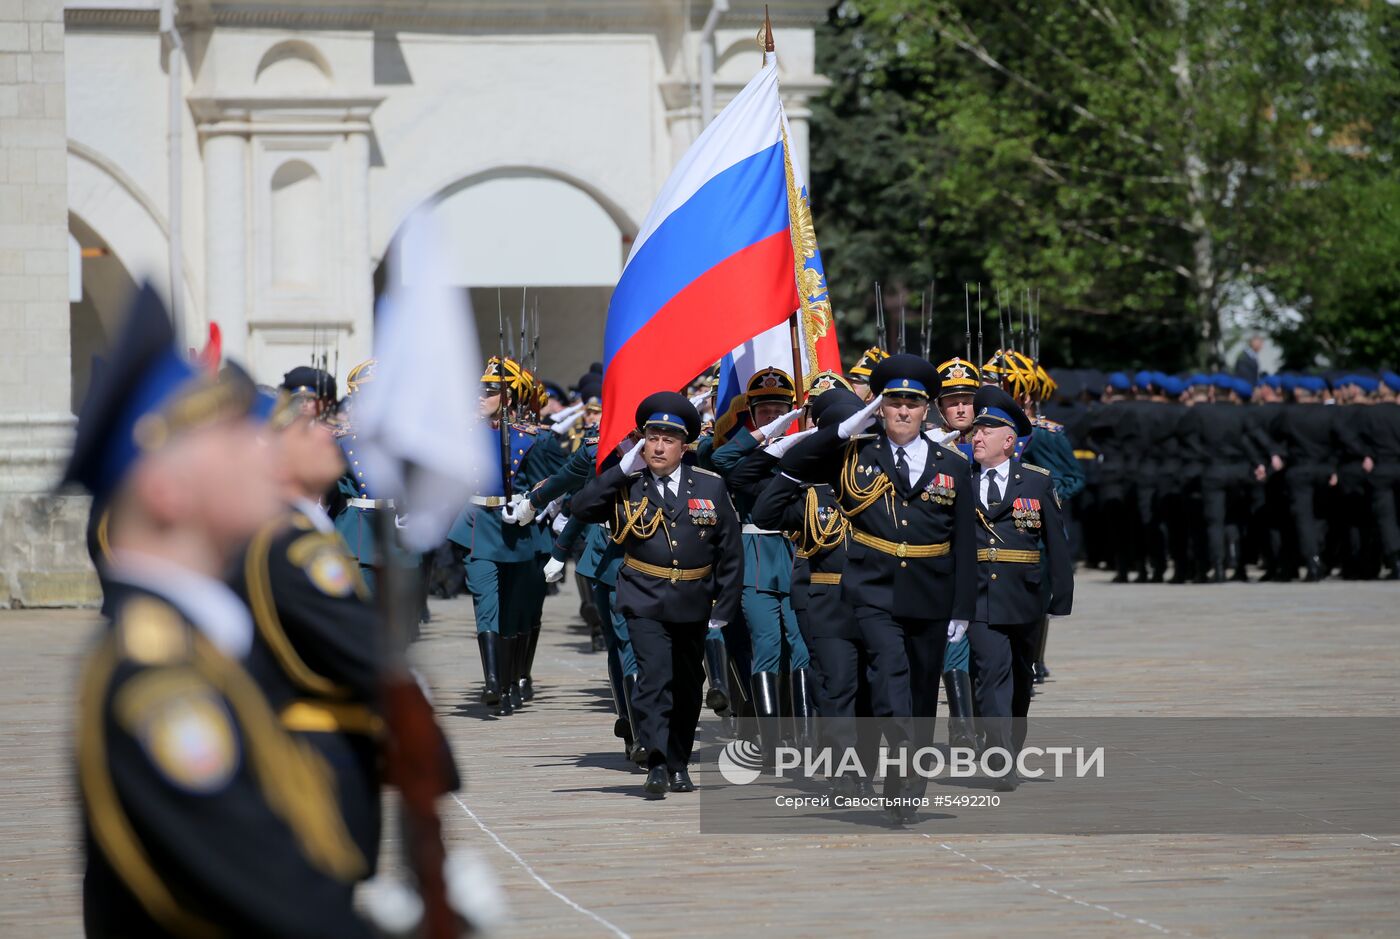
column 226, row 238
column 43, row 560
column 359, row 286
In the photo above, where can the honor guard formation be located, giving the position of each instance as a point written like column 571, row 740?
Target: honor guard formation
column 839, row 547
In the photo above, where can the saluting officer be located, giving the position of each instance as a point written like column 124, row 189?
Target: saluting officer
column 911, row 570
column 1018, row 517
column 682, row 572
column 202, row 816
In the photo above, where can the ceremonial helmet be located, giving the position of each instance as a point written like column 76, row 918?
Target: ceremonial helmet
column 958, row 376
column 518, row 381
column 825, row 381
column 770, row 385
column 360, row 374
column 866, row 364
column 1047, row 386
column 1012, row 370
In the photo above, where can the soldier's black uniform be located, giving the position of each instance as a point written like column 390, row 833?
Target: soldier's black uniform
column 1018, row 526
column 912, row 560
column 1306, row 433
column 683, row 568
column 316, row 653
column 202, row 814
column 1224, row 446
column 1379, row 429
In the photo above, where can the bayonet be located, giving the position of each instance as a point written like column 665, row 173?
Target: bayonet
column 980, row 360
column 881, row 340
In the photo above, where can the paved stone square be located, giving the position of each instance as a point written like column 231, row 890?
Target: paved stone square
column 552, row 804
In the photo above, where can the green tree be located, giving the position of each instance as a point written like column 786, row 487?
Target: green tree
column 1143, row 164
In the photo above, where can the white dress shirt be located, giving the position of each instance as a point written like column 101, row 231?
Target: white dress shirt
column 669, row 484
column 318, row 516
column 1002, row 471
column 915, row 454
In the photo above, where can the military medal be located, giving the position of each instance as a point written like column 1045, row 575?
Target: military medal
column 702, row 512
column 941, row 489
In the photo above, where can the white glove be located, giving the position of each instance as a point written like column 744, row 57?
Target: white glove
column 565, row 420
column 632, row 459
column 524, row 512
column 957, row 628
column 774, row 428
column 859, row 421
column 553, row 571
column 557, row 526
column 783, row 444
column 567, row 413
column 950, row 438
column 718, row 624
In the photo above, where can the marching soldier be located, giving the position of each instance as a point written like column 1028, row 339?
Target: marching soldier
column 1380, row 436
column 201, row 814
column 839, row 657
column 768, row 557
column 1308, row 458
column 1018, row 517
column 959, row 380
column 502, row 565
column 682, row 572
column 911, row 569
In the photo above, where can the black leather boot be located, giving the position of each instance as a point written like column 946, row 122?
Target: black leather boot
column 527, row 684
column 517, row 668
column 629, row 694
column 1041, row 672
column 804, row 708
column 505, row 707
column 957, row 685
column 489, row 645
column 622, row 727
column 1315, row 572
column 717, row 698
column 1394, row 569
column 765, row 705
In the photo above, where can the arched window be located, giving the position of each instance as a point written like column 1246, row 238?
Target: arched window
column 293, row 66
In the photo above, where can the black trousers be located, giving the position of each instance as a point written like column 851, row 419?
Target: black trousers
column 671, row 657
column 1384, row 484
column 906, row 668
column 1003, row 670
column 1307, row 489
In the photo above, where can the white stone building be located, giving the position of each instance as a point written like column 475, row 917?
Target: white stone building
column 268, row 151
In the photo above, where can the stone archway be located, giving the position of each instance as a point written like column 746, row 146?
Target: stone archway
column 539, row 231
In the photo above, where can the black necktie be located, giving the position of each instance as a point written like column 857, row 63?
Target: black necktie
column 901, row 466
column 993, row 491
column 666, row 498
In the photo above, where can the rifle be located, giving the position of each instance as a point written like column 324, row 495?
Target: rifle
column 502, row 417
column 880, row 338
column 980, row 360
column 967, row 322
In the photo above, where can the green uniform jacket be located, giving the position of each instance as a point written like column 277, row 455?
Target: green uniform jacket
column 767, row 558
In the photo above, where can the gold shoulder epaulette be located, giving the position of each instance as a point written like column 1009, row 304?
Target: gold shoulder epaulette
column 150, row 632
column 704, row 472
column 526, row 429
column 954, row 450
column 1037, row 469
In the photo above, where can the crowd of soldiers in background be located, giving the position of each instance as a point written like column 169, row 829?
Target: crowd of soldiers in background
column 1211, row 474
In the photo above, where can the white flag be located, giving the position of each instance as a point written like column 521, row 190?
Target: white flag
column 417, row 420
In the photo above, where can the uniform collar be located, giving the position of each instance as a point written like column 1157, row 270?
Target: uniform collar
column 1003, row 471
column 317, row 515
column 209, row 604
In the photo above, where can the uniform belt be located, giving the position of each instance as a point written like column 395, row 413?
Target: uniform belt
column 819, row 577
column 673, row 574
column 755, row 530
column 331, row 717
column 370, row 503
column 1008, row 556
column 900, row 549
column 491, row 502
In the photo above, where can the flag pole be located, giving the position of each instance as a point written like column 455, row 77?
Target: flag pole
column 794, row 326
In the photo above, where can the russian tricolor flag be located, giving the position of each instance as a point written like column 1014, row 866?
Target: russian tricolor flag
column 713, row 265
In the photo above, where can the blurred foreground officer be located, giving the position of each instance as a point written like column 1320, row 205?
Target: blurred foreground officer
column 318, row 638
column 201, row 815
column 1018, row 517
column 682, row 573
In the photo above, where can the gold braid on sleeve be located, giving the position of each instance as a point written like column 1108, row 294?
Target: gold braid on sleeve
column 864, row 496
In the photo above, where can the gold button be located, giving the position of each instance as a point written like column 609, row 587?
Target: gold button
column 992, row 540
column 994, row 577
column 355, row 462
column 361, row 474
column 904, row 521
column 675, row 544
column 675, row 563
column 903, row 563
column 906, row 505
